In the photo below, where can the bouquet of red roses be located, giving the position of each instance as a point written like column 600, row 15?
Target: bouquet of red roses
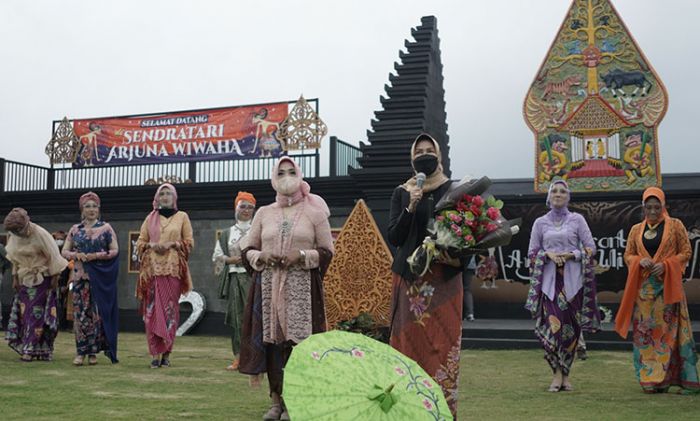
column 466, row 222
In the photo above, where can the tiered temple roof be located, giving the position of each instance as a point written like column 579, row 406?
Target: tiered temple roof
column 414, row 103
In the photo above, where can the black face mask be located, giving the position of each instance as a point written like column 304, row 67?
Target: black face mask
column 427, row 164
column 167, row 212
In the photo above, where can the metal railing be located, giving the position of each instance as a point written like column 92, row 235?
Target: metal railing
column 119, row 175
column 343, row 156
column 17, row 176
column 249, row 169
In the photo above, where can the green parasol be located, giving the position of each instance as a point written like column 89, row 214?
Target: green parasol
column 348, row 376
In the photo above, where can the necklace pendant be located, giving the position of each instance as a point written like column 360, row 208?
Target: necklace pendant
column 285, row 227
column 650, row 234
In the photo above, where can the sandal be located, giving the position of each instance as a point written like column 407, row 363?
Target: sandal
column 273, row 413
column 79, row 360
column 155, row 363
column 92, row 360
column 234, row 365
column 285, row 415
column 567, row 387
column 26, row 358
column 554, row 387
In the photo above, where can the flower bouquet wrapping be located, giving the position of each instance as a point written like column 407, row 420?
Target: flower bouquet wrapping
column 467, row 221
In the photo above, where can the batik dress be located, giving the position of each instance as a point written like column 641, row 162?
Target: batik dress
column 162, row 279
column 664, row 349
column 234, row 282
column 33, row 323
column 426, row 311
column 562, row 300
column 285, row 305
column 94, row 289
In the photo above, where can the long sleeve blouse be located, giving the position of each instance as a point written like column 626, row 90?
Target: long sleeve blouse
column 286, row 294
column 310, row 232
column 407, row 230
column 35, row 256
column 570, row 236
column 176, row 228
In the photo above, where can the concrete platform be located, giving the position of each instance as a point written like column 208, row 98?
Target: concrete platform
column 519, row 334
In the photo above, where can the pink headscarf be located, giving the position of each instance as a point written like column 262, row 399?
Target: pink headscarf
column 304, row 192
column 154, row 216
column 89, row 196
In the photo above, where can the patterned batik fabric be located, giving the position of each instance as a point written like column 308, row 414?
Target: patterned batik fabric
column 162, row 314
column 664, row 349
column 94, row 294
column 33, row 324
column 238, row 287
column 557, row 327
column 427, row 326
column 259, row 357
column 558, row 322
column 87, row 324
column 96, row 239
column 287, row 306
column 173, row 263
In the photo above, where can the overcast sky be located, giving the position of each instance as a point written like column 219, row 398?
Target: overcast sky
column 97, row 58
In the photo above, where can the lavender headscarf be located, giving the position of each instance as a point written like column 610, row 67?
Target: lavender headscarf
column 573, row 269
column 558, row 214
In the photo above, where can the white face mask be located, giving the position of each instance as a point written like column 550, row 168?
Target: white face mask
column 288, row 185
column 59, row 243
column 244, row 224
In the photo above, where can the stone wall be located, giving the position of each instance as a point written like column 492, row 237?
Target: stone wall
column 201, row 267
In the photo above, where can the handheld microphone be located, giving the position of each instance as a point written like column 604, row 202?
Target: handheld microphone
column 420, row 180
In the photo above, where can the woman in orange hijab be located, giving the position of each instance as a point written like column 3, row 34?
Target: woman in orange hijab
column 657, row 253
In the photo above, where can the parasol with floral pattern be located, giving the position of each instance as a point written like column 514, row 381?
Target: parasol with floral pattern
column 348, row 376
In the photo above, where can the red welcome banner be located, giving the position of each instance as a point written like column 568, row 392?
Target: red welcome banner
column 223, row 133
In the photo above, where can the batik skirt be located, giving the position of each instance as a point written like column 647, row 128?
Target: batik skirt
column 33, row 324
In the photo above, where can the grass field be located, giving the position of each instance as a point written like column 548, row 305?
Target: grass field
column 494, row 385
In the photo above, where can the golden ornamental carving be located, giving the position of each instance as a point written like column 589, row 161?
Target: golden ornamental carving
column 359, row 277
column 64, row 144
column 303, row 128
column 594, row 114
